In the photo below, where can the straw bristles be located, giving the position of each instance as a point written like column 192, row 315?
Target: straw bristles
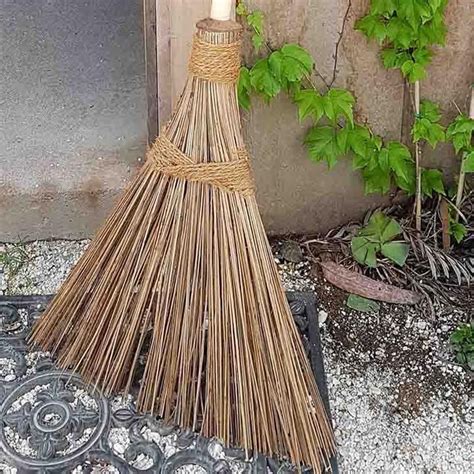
column 182, row 272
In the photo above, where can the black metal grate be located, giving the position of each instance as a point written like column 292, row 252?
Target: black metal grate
column 52, row 422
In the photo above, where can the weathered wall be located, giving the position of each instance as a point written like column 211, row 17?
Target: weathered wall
column 72, row 113
column 295, row 195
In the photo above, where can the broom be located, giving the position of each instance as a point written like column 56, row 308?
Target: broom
column 182, row 272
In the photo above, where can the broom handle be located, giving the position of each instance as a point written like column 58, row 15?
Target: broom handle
column 221, row 10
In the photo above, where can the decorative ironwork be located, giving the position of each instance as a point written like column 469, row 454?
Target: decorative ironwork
column 52, row 422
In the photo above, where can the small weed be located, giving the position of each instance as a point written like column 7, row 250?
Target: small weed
column 13, row 258
column 462, row 341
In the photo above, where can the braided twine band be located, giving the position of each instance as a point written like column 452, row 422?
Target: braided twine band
column 234, row 176
column 215, row 62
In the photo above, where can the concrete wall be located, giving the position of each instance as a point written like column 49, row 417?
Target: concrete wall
column 74, row 108
column 72, row 114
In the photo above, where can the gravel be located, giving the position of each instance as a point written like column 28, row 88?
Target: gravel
column 380, row 424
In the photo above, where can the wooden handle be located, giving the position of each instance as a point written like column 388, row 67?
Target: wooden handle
column 221, row 10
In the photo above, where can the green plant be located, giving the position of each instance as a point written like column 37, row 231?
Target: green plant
column 462, row 342
column 459, row 133
column 14, row 257
column 407, row 30
column 334, row 132
column 377, row 237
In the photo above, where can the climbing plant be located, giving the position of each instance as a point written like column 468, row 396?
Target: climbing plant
column 407, row 30
column 334, row 132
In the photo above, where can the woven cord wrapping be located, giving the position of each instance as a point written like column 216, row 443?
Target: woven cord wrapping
column 234, row 176
column 215, row 62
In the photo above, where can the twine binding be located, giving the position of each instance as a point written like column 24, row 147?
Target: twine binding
column 215, row 62
column 233, row 176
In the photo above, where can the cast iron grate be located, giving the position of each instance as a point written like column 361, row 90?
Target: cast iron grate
column 52, row 422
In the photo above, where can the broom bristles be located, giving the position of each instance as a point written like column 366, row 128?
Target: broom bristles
column 182, row 272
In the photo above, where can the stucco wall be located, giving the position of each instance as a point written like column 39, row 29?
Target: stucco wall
column 75, row 95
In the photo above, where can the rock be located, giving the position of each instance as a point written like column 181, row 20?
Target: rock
column 322, row 316
column 291, row 251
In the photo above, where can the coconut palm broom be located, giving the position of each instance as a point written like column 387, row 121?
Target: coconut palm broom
column 182, row 272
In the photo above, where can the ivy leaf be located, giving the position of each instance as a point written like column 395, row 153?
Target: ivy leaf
column 393, row 58
column 424, row 129
column 431, row 180
column 376, row 180
column 322, row 144
column 422, row 56
column 255, row 20
column 460, row 132
column 244, row 87
column 433, row 32
column 339, row 102
column 364, row 251
column 415, row 12
column 457, row 230
column 430, row 110
column 413, row 71
column 291, row 63
column 381, row 228
column 372, row 27
column 263, row 80
column 468, row 162
column 360, row 140
column 310, row 103
column 400, row 160
column 400, row 33
column 342, row 138
column 395, row 251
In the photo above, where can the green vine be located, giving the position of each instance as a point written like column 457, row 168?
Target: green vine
column 334, row 132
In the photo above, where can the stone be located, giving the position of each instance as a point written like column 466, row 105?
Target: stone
column 291, row 251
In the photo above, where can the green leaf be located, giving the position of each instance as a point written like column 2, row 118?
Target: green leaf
column 468, row 162
column 361, row 304
column 400, row 159
column 433, row 32
column 430, row 110
column 322, row 145
column 400, row 33
column 413, row 71
column 364, row 251
column 291, row 63
column 263, row 80
column 310, row 103
column 422, row 56
column 380, row 228
column 393, row 58
column 431, row 181
column 244, row 87
column 372, row 27
column 457, row 230
column 424, row 129
column 255, row 20
column 415, row 12
column 337, row 103
column 376, row 180
column 460, row 132
column 395, row 251
column 360, row 140
column 342, row 138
